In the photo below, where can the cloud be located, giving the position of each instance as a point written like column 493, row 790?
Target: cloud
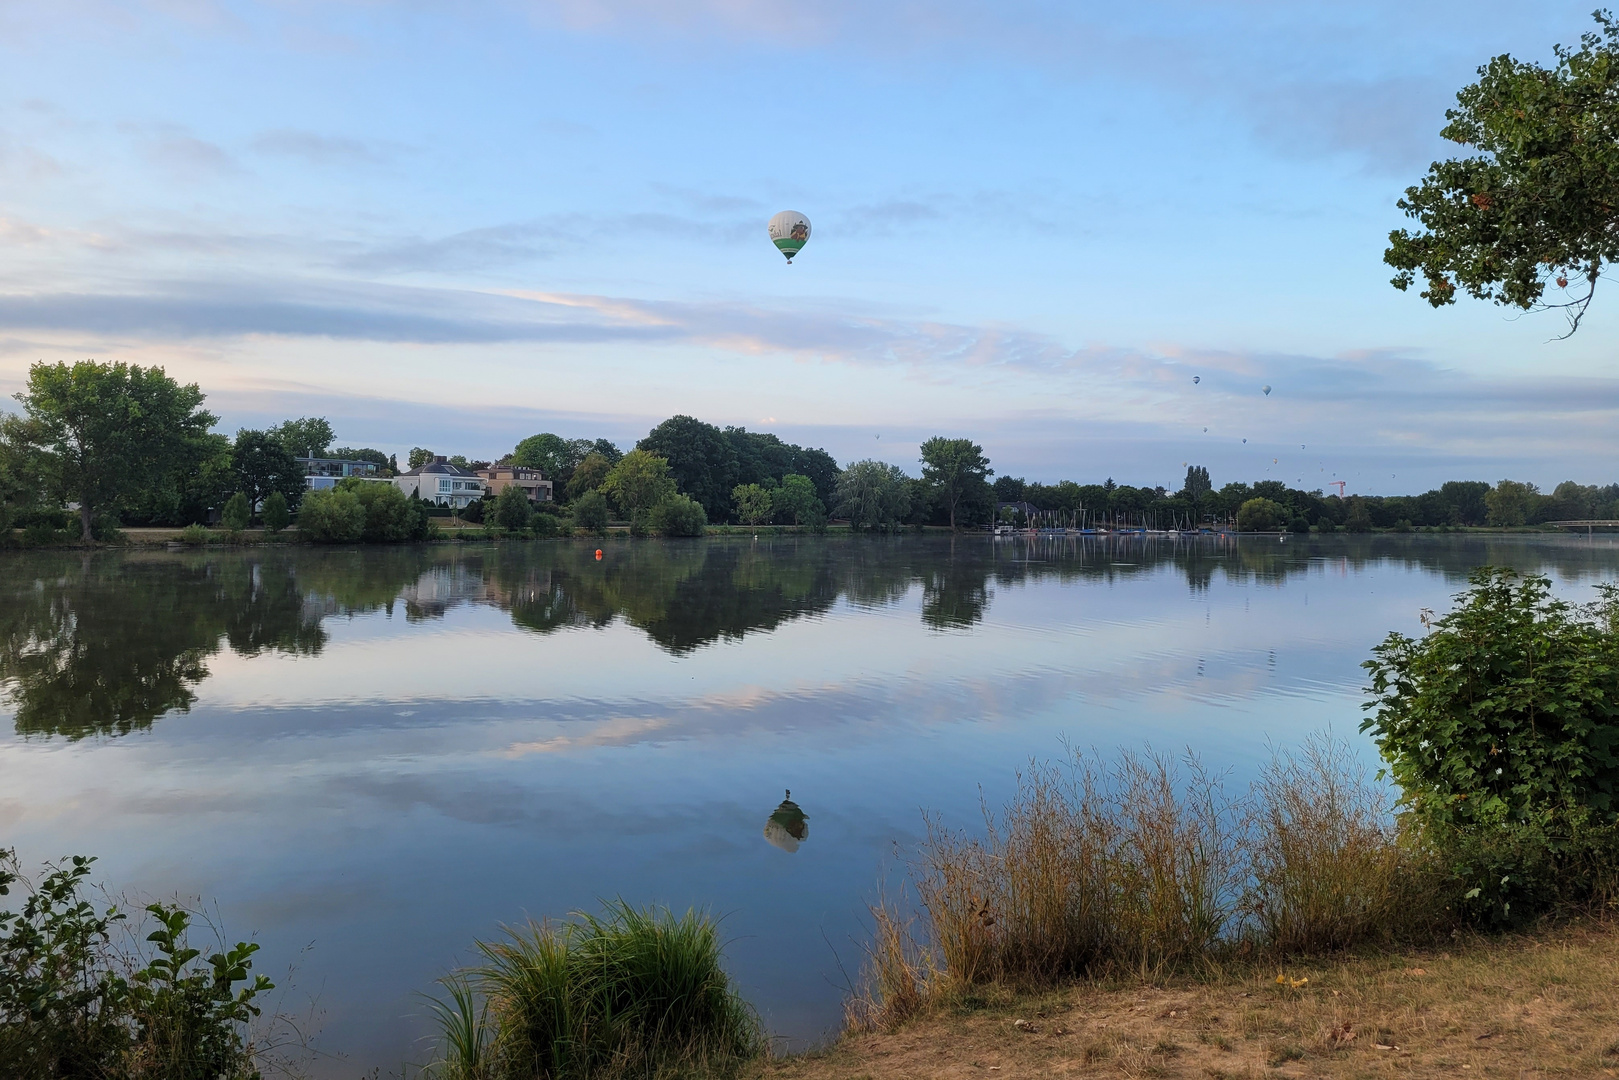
column 189, row 157
column 316, row 149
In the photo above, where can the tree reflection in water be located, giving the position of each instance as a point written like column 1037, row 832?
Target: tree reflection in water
column 105, row 643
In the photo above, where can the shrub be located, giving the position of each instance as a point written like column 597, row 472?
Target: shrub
column 473, row 512
column 678, row 516
column 590, row 513
column 629, row 994
column 195, row 535
column 1500, row 728
column 276, row 515
column 72, row 1004
column 1259, row 515
column 331, row 517
column 236, row 513
column 753, row 504
column 511, row 510
column 390, row 516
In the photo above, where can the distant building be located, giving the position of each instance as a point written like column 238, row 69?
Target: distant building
column 441, row 483
column 322, row 473
column 498, row 478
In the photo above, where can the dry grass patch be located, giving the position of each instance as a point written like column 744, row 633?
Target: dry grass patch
column 1527, row 1006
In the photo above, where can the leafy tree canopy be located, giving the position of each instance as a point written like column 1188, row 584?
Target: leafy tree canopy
column 954, row 468
column 873, row 495
column 701, row 460
column 103, row 433
column 1538, row 207
column 419, row 456
column 264, row 464
column 309, row 436
column 639, row 482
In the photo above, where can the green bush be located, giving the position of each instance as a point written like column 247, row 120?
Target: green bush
column 679, row 516
column 390, row 516
column 1501, row 727
column 331, row 517
column 590, row 513
column 276, row 515
column 74, row 1004
column 511, row 510
column 1259, row 515
column 237, row 513
column 633, row 993
column 195, row 535
column 472, row 512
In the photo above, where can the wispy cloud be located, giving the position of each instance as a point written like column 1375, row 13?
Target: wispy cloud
column 315, row 149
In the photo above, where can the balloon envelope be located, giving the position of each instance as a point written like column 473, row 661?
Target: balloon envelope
column 789, row 231
column 1196, row 379
column 1266, row 389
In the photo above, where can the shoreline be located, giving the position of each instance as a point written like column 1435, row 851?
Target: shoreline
column 1537, row 1003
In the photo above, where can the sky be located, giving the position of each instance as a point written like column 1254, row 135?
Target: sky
column 454, row 225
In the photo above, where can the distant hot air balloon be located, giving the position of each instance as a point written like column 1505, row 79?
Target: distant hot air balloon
column 1196, row 379
column 789, row 231
column 1266, row 389
column 1205, row 431
column 1245, row 440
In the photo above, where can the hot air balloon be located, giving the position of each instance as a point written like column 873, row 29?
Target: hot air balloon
column 1266, row 390
column 789, row 231
column 1196, row 379
column 1245, row 441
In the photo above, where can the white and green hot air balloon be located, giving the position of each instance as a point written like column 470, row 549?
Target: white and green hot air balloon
column 789, row 231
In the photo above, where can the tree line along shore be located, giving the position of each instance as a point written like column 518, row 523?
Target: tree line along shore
column 99, row 448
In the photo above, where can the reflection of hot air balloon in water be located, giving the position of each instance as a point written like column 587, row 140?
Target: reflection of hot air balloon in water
column 789, row 231
column 787, row 826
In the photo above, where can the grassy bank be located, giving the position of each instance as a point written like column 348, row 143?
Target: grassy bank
column 1538, row 1004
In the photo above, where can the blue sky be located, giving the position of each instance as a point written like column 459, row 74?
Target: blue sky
column 454, row 225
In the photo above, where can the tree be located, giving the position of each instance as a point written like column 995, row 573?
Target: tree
column 701, row 460
column 1010, row 488
column 679, row 515
column 546, row 452
column 309, row 436
column 1197, row 486
column 236, row 513
column 106, row 432
column 589, row 474
column 1510, row 502
column 797, row 501
column 752, row 504
column 1538, row 207
column 419, row 456
column 276, row 514
column 1259, row 515
column 954, row 468
column 590, row 513
column 511, row 510
column 873, row 495
column 264, row 464
column 639, row 482
column 608, row 450
column 332, row 516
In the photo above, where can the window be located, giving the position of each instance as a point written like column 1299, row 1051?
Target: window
column 444, row 485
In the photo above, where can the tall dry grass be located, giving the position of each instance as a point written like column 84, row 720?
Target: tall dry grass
column 1148, row 866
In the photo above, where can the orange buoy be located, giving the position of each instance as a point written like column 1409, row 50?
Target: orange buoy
column 598, row 554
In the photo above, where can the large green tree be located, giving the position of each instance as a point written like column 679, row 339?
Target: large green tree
column 264, row 464
column 955, row 469
column 873, row 495
column 308, row 436
column 701, row 460
column 1532, row 218
column 639, row 482
column 106, row 432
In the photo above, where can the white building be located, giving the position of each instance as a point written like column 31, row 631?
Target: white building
column 442, row 484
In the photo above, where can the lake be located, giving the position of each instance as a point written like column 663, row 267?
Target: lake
column 369, row 758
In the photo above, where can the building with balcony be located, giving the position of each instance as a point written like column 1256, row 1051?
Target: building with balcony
column 498, row 478
column 323, row 473
column 442, row 484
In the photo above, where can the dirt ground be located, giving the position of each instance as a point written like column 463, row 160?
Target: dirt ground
column 1533, row 1006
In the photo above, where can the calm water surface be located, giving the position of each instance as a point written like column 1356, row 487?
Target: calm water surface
column 369, row 758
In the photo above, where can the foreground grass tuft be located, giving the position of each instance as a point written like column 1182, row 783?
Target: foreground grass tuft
column 632, row 993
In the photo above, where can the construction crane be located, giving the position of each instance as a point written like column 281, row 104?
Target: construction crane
column 1340, row 484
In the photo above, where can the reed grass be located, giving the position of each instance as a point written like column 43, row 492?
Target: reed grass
column 1146, row 867
column 630, row 993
